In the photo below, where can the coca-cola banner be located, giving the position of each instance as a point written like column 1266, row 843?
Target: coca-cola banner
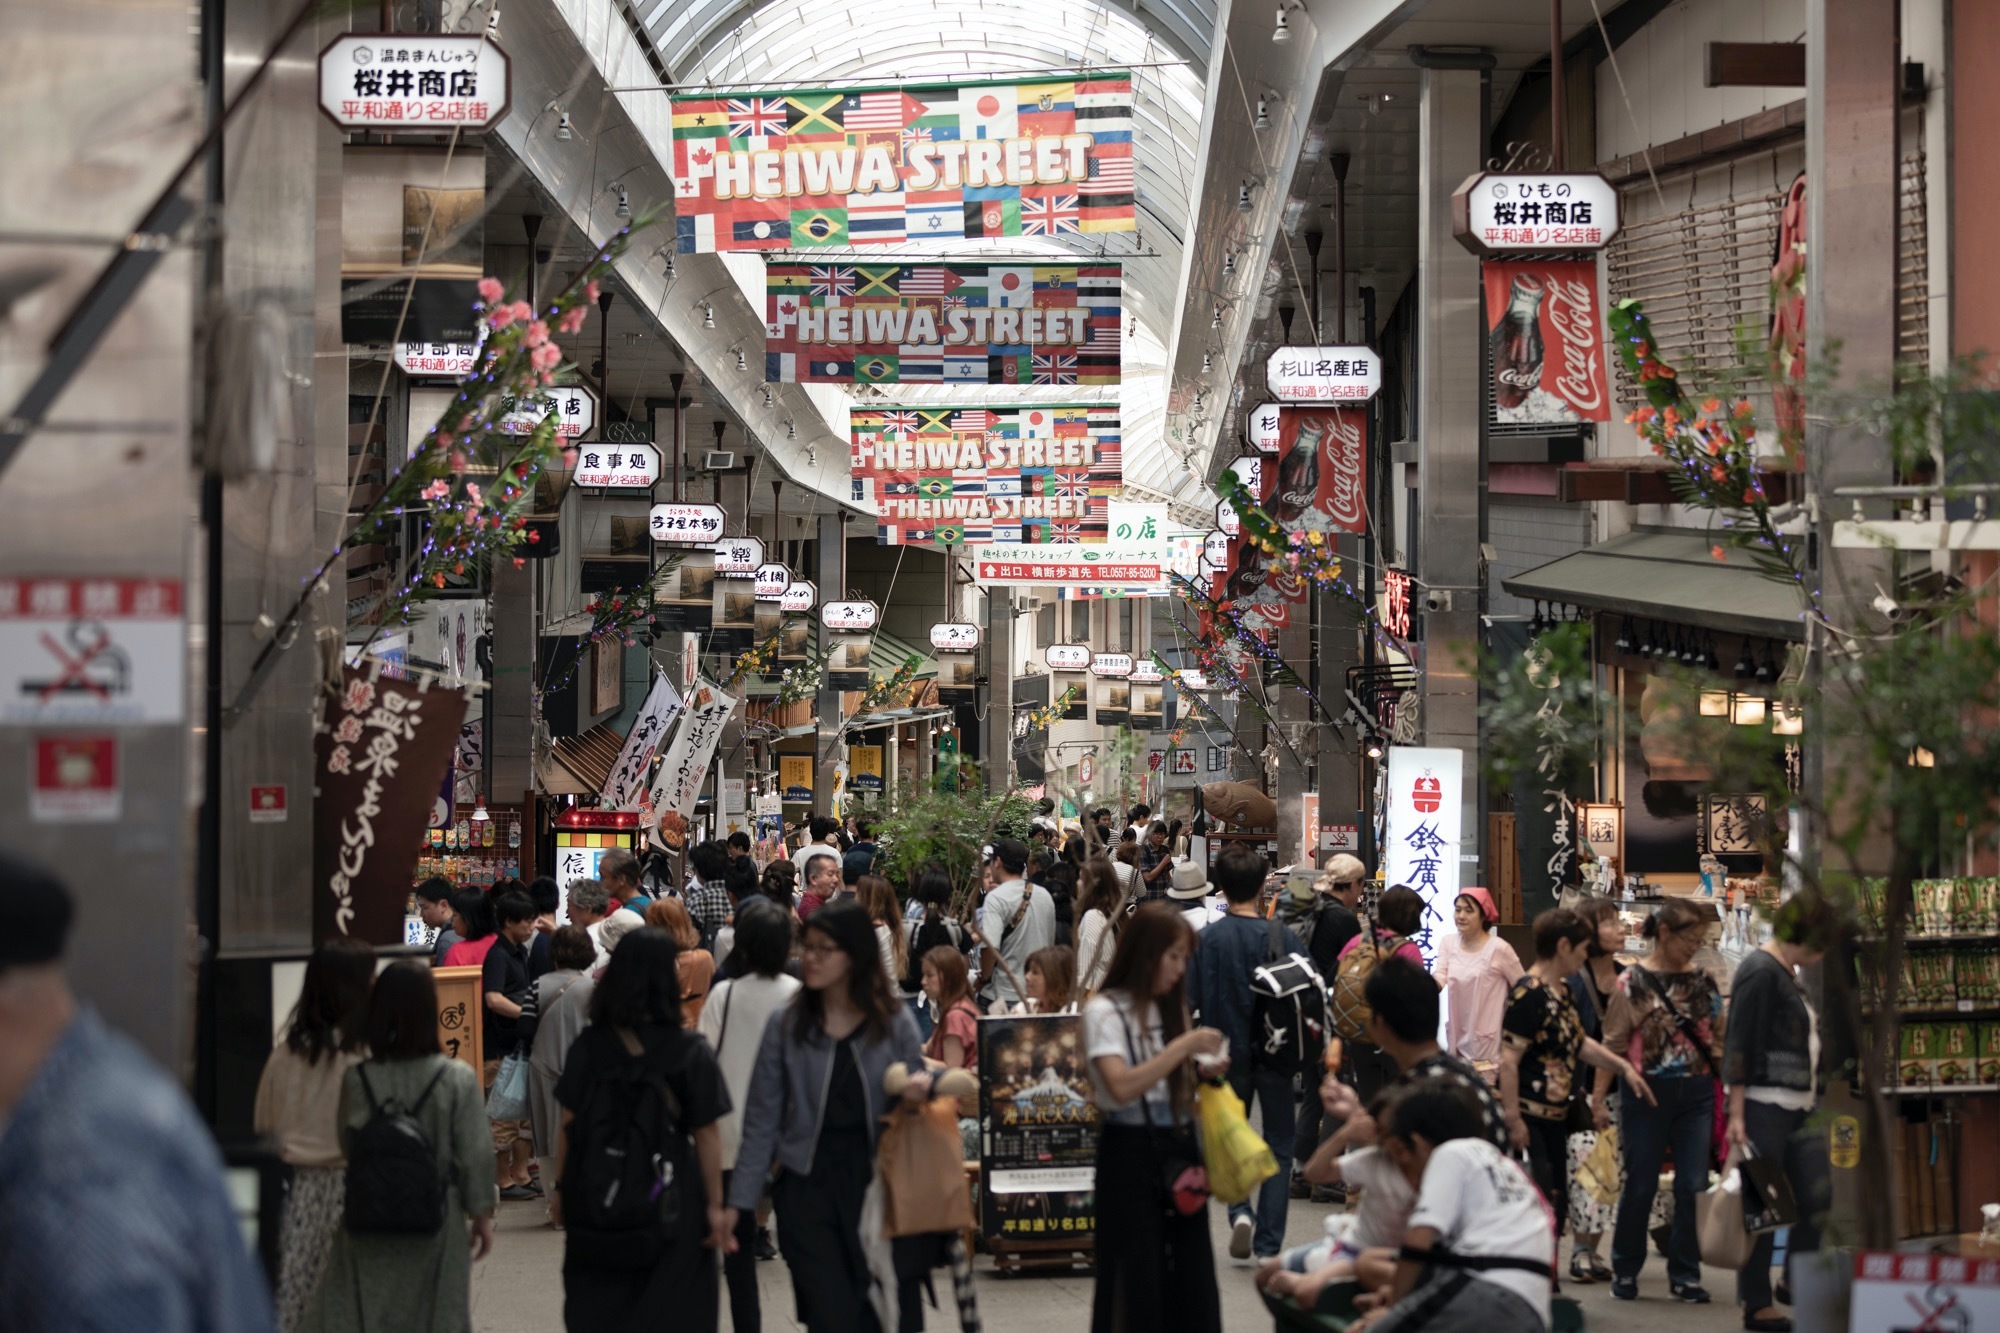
column 1545, row 342
column 1322, row 481
column 382, row 749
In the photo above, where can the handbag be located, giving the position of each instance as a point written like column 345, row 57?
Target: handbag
column 1602, row 1173
column 1237, row 1158
column 509, row 1098
column 921, row 1160
column 1767, row 1194
column 1719, row 1222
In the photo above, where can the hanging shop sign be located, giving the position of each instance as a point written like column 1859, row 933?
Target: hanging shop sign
column 383, row 746
column 627, row 782
column 1215, row 551
column 739, row 557
column 436, row 360
column 800, row 595
column 955, row 637
column 1149, row 696
column 1131, row 564
column 391, row 81
column 685, row 525
column 1113, row 697
column 1324, row 374
column 1260, row 428
column 1112, row 665
column 850, row 641
column 806, row 168
column 1191, row 680
column 771, row 582
column 1038, row 1132
column 1396, row 588
column 575, row 408
column 1322, row 481
column 1145, row 672
column 846, row 617
column 684, row 596
column 1421, row 845
column 1544, row 342
column 734, row 627
column 986, row 474
column 942, row 324
column 108, row 651
column 957, row 677
column 865, row 767
column 1128, row 522
column 633, row 465
column 679, row 784
column 1067, row 656
column 1497, row 213
column 795, row 777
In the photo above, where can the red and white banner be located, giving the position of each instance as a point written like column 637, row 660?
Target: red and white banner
column 1545, row 341
column 1322, row 482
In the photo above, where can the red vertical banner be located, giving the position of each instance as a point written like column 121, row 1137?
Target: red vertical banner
column 1322, row 482
column 1545, row 342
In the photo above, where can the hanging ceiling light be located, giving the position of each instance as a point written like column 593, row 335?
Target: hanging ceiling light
column 742, row 361
column 480, row 815
column 1243, row 197
column 1283, row 32
column 563, row 132
column 1650, row 646
column 1767, row 670
column 1690, row 650
column 791, row 429
column 1229, row 264
column 707, row 315
column 1374, row 747
column 1745, row 668
column 1263, row 120
column 1715, row 703
column 624, row 202
column 1748, row 710
column 1624, row 643
column 1207, row 362
column 767, row 395
column 1215, row 319
column 1787, row 720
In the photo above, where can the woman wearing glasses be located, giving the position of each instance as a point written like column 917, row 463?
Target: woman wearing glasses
column 814, row 1108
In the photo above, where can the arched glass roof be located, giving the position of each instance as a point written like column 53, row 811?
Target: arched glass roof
column 759, row 43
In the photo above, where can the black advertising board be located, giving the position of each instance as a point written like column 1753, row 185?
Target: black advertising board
column 1038, row 1132
column 440, row 310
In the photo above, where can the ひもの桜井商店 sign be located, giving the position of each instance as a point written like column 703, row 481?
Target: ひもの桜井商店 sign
column 805, row 168
column 392, row 81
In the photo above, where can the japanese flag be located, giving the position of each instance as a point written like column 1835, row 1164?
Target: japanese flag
column 1013, row 288
column 987, row 113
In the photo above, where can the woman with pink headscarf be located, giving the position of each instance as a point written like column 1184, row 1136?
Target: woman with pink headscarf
column 1474, row 969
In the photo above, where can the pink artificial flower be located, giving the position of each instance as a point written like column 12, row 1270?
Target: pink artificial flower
column 437, row 490
column 591, row 291
column 458, row 460
column 490, row 290
column 472, row 493
column 519, row 562
column 536, row 333
column 545, row 357
column 522, row 310
column 1718, row 553
column 442, row 439
column 502, row 316
column 569, row 455
column 572, row 318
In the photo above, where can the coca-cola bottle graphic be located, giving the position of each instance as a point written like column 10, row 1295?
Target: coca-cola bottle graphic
column 1298, row 475
column 1515, row 344
column 1248, row 576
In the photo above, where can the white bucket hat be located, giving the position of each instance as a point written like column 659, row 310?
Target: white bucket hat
column 1188, row 881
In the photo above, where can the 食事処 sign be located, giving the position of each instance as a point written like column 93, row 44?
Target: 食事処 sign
column 942, row 324
column 805, row 168
column 986, row 474
column 383, row 749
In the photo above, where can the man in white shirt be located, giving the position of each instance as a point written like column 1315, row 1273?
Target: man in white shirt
column 589, row 907
column 1017, row 919
column 1479, row 1254
column 822, row 829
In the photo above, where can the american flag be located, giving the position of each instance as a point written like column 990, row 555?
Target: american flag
column 1048, row 216
column 1055, row 368
column 832, row 281
column 899, row 423
column 756, row 117
column 977, row 420
column 1110, row 175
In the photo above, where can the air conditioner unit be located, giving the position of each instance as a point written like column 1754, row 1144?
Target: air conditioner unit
column 718, row 460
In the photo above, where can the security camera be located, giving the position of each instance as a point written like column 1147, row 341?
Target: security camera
column 1437, row 600
column 1888, row 607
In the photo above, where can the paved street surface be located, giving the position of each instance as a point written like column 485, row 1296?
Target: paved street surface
column 519, row 1289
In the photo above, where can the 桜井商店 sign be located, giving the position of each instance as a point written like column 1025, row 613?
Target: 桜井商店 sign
column 613, row 465
column 1503, row 212
column 387, row 81
column 1324, row 374
column 806, row 168
column 575, row 410
column 942, row 323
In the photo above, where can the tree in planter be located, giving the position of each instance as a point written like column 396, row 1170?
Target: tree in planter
column 1915, row 775
column 926, row 826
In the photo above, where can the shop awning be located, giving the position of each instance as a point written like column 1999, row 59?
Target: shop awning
column 580, row 765
column 1668, row 574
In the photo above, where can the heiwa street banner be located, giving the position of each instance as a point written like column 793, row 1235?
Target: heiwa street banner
column 942, row 323
column 805, row 168
column 1545, row 341
column 986, row 474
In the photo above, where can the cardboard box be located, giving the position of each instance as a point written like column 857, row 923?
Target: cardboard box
column 1915, row 1060
column 1957, row 1054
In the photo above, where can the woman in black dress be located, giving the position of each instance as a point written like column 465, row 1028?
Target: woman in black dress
column 613, row 1281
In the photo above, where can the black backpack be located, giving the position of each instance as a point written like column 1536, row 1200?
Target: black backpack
column 625, row 1191
column 930, row 932
column 394, row 1184
column 1288, row 1016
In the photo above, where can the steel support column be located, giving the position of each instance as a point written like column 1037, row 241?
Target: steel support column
column 831, row 576
column 998, row 749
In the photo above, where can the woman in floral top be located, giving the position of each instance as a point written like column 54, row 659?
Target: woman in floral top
column 1667, row 1017
column 1542, row 1038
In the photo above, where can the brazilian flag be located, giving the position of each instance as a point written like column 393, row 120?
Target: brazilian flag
column 949, row 534
column 877, row 369
column 934, row 488
column 819, row 226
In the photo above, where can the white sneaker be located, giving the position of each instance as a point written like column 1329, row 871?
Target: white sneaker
column 1239, row 1238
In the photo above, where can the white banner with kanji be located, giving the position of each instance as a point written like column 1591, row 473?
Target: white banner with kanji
column 1420, row 846
column 627, row 782
column 679, row 784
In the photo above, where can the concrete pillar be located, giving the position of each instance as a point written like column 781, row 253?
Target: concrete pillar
column 891, row 761
column 831, row 577
column 1449, row 363
column 998, row 747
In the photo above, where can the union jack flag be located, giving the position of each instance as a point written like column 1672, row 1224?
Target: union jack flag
column 1055, row 368
column 1065, row 532
column 756, row 117
column 832, row 281
column 1046, row 217
column 899, row 423
column 916, row 134
column 1073, row 485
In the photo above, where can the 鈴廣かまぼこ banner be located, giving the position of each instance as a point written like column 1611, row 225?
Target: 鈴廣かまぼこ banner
column 835, row 168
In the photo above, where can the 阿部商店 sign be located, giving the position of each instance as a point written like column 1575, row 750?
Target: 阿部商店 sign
column 436, row 360
column 1324, row 374
column 390, row 81
column 1506, row 212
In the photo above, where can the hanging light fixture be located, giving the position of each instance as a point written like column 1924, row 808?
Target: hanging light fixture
column 1283, row 32
column 1229, row 264
column 624, row 209
column 480, row 814
column 707, row 315
column 1624, row 643
column 1767, row 670
column 1787, row 720
column 1748, row 710
column 1745, row 668
column 1263, row 120
column 1691, row 654
column 1715, row 703
column 1650, row 646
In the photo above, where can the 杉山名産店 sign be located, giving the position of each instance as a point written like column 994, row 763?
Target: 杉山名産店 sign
column 1120, row 564
column 1324, row 374
column 1498, row 213
column 806, row 168
column 389, row 81
column 1260, row 428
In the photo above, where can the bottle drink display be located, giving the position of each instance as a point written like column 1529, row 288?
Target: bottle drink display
column 1298, row 475
column 1516, row 344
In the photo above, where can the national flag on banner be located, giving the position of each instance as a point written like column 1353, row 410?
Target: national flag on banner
column 1011, row 368
column 694, row 235
column 1072, row 484
column 878, row 111
column 756, row 117
column 987, row 113
column 899, row 422
column 1048, row 215
column 781, row 367
column 903, row 487
column 1010, row 287
column 875, row 218
column 815, row 113
column 920, row 365
column 1008, row 485
column 819, row 227
column 1055, row 368
column 965, row 370
column 975, row 419
column 829, row 282
column 875, row 368
column 992, row 216
column 972, row 482
column 1057, row 287
column 923, row 280
column 1038, row 482
column 1038, row 423
column 701, row 118
column 941, row 213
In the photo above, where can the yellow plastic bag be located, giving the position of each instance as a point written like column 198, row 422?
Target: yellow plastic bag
column 1237, row 1158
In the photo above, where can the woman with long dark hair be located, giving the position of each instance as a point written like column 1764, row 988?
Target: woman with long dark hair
column 298, row 1104
column 931, row 928
column 638, row 1040
column 1100, row 907
column 814, row 1110
column 473, row 920
column 378, row 1280
column 1592, row 1208
column 1155, row 1268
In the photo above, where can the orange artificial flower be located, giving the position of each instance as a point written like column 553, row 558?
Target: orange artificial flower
column 1718, row 553
column 1712, row 405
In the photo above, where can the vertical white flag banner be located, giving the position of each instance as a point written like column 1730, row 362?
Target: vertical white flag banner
column 627, row 782
column 679, row 784
column 1421, row 841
